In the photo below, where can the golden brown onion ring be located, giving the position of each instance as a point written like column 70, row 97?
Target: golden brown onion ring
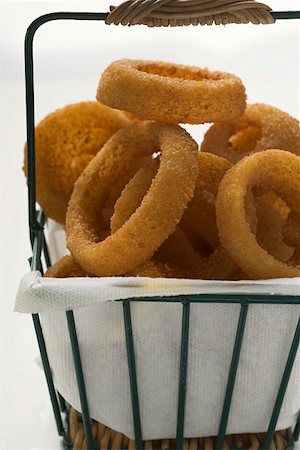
column 291, row 234
column 129, row 200
column 291, row 229
column 67, row 267
column 274, row 170
column 64, row 268
column 65, row 141
column 150, row 225
column 261, row 127
column 170, row 92
column 200, row 218
column 133, row 194
column 151, row 269
column 176, row 252
column 270, row 224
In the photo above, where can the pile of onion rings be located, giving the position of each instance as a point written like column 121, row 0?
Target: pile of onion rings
column 142, row 198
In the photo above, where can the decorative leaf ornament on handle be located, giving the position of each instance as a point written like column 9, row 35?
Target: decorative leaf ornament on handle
column 164, row 13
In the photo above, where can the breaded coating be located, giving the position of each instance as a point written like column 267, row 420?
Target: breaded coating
column 159, row 212
column 200, row 218
column 177, row 252
column 171, row 93
column 65, row 267
column 274, row 170
column 261, row 127
column 65, row 141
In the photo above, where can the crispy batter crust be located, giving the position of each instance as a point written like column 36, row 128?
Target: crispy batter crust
column 261, row 127
column 66, row 140
column 171, row 93
column 67, row 267
column 159, row 212
column 271, row 219
column 177, row 252
column 200, row 218
column 64, row 268
column 275, row 170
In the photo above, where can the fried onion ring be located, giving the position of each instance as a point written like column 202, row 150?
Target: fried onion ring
column 65, row 141
column 129, row 200
column 177, row 252
column 261, row 127
column 64, row 268
column 151, row 269
column 291, row 229
column 274, row 170
column 67, row 267
column 291, row 234
column 170, row 92
column 200, row 217
column 154, row 220
column 270, row 223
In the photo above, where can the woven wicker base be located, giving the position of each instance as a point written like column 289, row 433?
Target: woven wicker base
column 105, row 438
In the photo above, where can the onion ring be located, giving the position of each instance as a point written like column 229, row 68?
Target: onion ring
column 177, row 252
column 274, row 170
column 200, row 218
column 271, row 219
column 126, row 206
column 170, row 92
column 64, row 268
column 150, row 225
column 261, row 127
column 291, row 230
column 291, row 235
column 151, row 269
column 66, row 140
column 67, row 267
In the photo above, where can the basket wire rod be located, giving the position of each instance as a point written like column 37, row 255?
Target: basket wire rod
column 297, row 429
column 80, row 380
column 39, row 245
column 183, row 373
column 282, row 388
column 34, row 226
column 62, row 403
column 48, row 373
column 132, row 375
column 285, row 14
column 232, row 375
column 36, row 263
column 289, row 438
column 225, row 298
column 46, row 252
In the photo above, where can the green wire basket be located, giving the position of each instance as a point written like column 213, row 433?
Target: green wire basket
column 37, row 221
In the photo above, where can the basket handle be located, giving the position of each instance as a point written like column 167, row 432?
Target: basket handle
column 163, row 13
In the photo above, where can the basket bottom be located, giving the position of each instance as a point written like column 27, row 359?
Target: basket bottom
column 108, row 439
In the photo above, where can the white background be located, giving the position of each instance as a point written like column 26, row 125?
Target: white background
column 69, row 58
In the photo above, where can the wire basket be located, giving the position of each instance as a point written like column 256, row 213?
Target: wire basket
column 70, row 423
